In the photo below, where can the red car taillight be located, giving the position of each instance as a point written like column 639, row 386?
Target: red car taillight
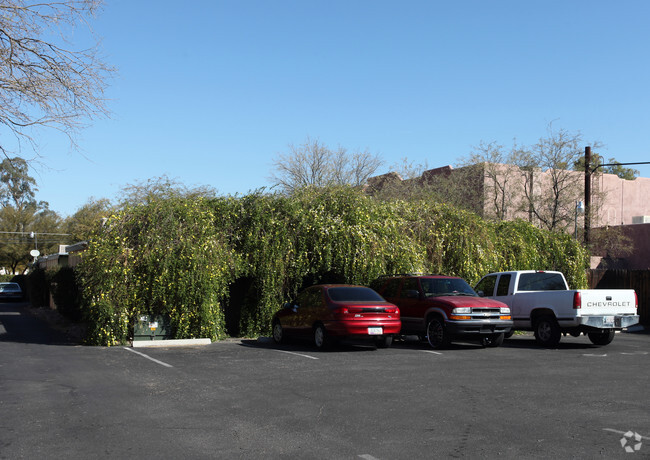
column 342, row 311
column 577, row 301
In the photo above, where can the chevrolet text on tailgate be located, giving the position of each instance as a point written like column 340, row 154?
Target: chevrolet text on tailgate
column 444, row 308
column 541, row 301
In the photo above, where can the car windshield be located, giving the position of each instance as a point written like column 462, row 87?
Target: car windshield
column 435, row 287
column 9, row 287
column 353, row 294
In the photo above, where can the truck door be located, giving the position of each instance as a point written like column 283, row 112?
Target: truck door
column 485, row 287
column 502, row 292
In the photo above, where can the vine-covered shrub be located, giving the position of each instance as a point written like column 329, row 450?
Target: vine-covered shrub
column 37, row 288
column 183, row 256
column 65, row 292
column 169, row 257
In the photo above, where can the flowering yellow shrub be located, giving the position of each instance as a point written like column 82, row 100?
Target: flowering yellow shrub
column 180, row 256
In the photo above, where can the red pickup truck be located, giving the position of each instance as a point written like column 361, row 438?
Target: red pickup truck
column 445, row 308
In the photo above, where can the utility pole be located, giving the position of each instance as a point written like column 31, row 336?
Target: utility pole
column 587, row 193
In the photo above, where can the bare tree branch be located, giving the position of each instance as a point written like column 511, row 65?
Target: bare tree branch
column 44, row 83
column 313, row 164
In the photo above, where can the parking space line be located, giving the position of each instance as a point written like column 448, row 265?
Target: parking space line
column 297, row 354
column 431, row 351
column 148, row 357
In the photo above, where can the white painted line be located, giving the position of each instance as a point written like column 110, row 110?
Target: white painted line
column 596, row 356
column 636, row 353
column 623, row 433
column 148, row 357
column 367, row 457
column 297, row 354
column 431, row 351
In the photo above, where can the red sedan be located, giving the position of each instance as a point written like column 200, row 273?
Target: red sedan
column 335, row 311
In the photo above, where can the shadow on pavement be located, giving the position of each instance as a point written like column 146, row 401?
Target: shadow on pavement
column 17, row 325
column 566, row 343
column 303, row 346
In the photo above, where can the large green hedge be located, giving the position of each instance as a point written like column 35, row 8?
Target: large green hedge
column 182, row 257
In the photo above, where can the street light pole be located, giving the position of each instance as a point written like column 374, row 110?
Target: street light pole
column 580, row 208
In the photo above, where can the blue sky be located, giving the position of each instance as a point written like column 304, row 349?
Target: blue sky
column 209, row 92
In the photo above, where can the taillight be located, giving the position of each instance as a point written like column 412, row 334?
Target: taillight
column 577, row 301
column 342, row 311
column 636, row 301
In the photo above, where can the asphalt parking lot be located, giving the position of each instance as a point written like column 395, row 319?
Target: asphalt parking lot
column 253, row 399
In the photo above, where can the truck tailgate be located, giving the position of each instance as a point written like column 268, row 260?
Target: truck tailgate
column 607, row 302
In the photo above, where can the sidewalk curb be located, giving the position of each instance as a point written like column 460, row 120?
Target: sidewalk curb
column 170, row 343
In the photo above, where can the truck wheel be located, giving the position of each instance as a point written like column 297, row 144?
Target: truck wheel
column 602, row 338
column 492, row 341
column 547, row 331
column 509, row 334
column 436, row 334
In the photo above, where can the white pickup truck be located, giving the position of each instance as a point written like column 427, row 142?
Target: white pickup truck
column 541, row 301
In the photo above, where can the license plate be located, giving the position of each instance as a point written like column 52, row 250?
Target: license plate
column 375, row 331
column 608, row 320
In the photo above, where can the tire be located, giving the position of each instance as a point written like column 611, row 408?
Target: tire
column 436, row 334
column 384, row 342
column 602, row 338
column 509, row 334
column 278, row 332
column 493, row 341
column 547, row 331
column 321, row 341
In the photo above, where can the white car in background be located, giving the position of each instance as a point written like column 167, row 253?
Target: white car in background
column 10, row 291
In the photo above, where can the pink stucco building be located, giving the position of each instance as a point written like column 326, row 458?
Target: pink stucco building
column 498, row 191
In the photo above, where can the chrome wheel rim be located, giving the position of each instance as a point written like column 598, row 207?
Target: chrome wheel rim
column 435, row 333
column 319, row 337
column 277, row 332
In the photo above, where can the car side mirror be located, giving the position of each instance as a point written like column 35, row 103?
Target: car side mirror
column 481, row 294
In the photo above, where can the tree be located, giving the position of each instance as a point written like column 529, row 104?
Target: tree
column 44, row 83
column 17, row 187
column 614, row 168
column 22, row 218
column 502, row 180
column 32, row 227
column 551, row 187
column 314, row 164
column 162, row 187
column 88, row 218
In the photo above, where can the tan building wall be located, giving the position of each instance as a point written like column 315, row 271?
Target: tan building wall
column 624, row 200
column 615, row 201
